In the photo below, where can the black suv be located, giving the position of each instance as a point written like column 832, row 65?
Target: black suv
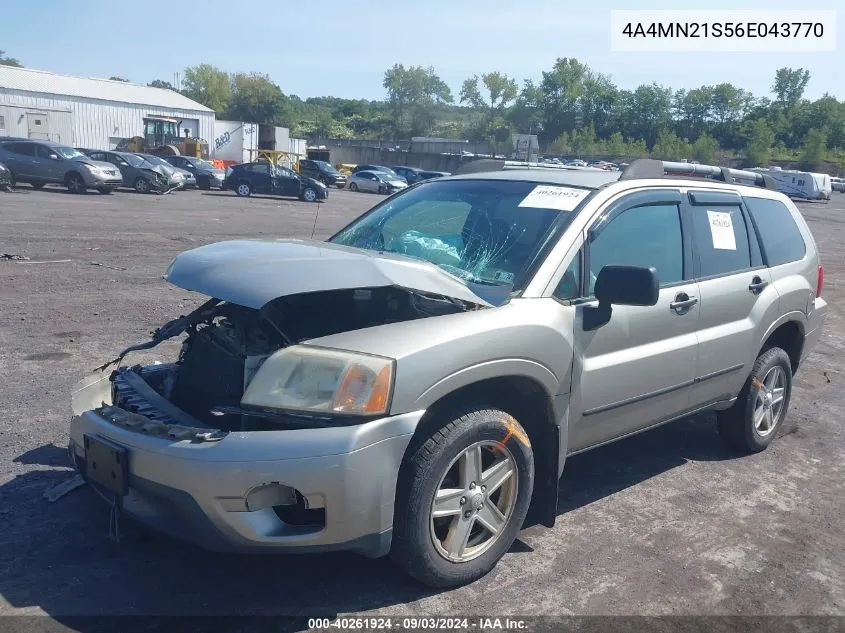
column 322, row 171
column 262, row 177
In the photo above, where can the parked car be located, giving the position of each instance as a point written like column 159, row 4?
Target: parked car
column 137, row 173
column 414, row 384
column 380, row 168
column 205, row 174
column 42, row 162
column 5, row 177
column 837, row 184
column 376, row 182
column 428, row 175
column 177, row 178
column 266, row 178
column 410, row 174
column 322, row 171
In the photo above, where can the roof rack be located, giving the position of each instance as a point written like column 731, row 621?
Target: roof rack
column 650, row 168
column 491, row 164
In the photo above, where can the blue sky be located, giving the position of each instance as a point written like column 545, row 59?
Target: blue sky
column 342, row 48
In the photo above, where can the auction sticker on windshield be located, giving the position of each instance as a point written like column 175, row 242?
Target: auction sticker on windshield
column 551, row 197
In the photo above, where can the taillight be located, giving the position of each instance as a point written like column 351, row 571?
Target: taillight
column 820, row 281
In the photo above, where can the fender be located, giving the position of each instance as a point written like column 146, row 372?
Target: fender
column 796, row 316
column 487, row 370
column 550, row 448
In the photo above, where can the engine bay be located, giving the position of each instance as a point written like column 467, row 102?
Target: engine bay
column 225, row 345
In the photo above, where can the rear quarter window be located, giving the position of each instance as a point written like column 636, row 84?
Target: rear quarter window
column 781, row 238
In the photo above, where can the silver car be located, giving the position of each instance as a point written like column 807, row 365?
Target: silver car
column 177, row 178
column 375, row 182
column 40, row 163
column 415, row 384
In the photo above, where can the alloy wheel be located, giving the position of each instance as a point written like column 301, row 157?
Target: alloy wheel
column 474, row 501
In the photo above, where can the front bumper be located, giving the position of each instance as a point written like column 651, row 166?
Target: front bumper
column 111, row 181
column 198, row 492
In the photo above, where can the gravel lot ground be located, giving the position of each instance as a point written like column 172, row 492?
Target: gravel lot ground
column 668, row 522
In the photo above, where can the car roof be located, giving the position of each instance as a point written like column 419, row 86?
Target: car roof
column 575, row 178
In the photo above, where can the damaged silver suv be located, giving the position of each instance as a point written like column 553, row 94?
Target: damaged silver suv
column 414, row 385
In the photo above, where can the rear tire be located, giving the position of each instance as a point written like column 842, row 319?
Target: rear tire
column 454, row 464
column 752, row 422
column 37, row 185
column 353, row 187
column 74, row 183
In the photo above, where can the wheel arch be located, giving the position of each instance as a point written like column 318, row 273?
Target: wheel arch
column 788, row 333
column 72, row 172
column 531, row 403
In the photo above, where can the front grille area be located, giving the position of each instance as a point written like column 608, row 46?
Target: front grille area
column 211, row 374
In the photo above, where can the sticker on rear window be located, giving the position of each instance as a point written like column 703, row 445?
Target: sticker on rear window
column 722, row 230
column 551, row 197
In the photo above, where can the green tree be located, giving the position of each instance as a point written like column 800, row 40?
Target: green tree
column 413, row 95
column 255, row 98
column 9, row 61
column 789, row 85
column 616, row 144
column 705, row 149
column 814, row 150
column 669, row 146
column 645, row 111
column 561, row 90
column 209, row 86
column 118, row 79
column 526, row 115
column 159, row 83
column 760, row 138
column 499, row 92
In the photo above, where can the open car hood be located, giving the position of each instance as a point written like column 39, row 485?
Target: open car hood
column 253, row 272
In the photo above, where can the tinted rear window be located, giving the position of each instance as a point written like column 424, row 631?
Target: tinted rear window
column 721, row 240
column 782, row 240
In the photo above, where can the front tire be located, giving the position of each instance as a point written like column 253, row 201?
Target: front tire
column 353, row 187
column 37, row 185
column 752, row 422
column 243, row 190
column 461, row 498
column 309, row 195
column 204, row 184
column 142, row 185
column 74, row 183
column 105, row 190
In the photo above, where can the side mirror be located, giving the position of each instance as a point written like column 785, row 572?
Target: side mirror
column 621, row 285
column 54, row 157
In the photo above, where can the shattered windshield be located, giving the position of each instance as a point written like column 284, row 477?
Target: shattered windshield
column 475, row 230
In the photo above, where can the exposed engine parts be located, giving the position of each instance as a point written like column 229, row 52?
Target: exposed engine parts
column 227, row 343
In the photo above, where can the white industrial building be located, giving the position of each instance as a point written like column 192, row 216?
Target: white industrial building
column 92, row 113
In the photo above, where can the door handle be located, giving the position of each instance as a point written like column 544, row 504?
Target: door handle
column 682, row 303
column 756, row 286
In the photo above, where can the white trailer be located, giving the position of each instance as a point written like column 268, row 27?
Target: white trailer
column 799, row 184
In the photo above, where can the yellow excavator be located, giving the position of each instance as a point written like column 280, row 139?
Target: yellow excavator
column 161, row 137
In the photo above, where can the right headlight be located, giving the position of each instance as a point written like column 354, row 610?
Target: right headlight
column 323, row 380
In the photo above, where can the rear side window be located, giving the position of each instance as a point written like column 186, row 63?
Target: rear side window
column 782, row 240
column 721, row 240
column 24, row 149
